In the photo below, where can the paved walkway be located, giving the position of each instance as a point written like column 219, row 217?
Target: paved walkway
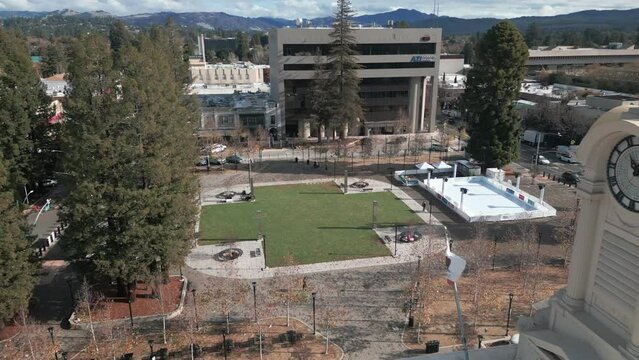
column 202, row 259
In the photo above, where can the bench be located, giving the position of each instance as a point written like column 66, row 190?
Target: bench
column 367, row 189
column 258, row 252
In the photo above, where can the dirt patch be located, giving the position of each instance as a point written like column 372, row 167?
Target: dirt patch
column 106, row 305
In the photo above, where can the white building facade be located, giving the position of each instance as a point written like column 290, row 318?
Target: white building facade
column 399, row 81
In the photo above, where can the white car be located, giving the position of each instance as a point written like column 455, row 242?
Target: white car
column 49, row 182
column 218, row 148
column 543, row 160
column 568, row 159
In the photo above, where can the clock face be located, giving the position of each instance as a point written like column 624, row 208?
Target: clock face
column 623, row 173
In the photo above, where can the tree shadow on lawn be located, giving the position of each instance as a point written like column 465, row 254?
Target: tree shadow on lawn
column 319, row 193
column 344, row 227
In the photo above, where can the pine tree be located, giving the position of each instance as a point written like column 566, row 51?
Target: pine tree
column 129, row 148
column 532, row 35
column 342, row 67
column 242, row 50
column 54, row 61
column 469, row 53
column 322, row 96
column 22, row 108
column 492, row 87
column 18, row 275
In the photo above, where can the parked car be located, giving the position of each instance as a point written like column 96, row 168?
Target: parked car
column 49, row 182
column 543, row 160
column 438, row 147
column 569, row 159
column 218, row 148
column 216, row 161
column 234, row 159
column 570, row 178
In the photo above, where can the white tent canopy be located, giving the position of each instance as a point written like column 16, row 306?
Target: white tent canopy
column 441, row 165
column 424, row 166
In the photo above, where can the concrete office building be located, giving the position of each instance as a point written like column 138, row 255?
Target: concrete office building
column 399, row 73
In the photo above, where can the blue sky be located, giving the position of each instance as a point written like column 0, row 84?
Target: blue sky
column 315, row 8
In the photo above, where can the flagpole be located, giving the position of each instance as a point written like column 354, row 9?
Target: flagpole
column 461, row 320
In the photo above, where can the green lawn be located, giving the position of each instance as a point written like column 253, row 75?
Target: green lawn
column 312, row 223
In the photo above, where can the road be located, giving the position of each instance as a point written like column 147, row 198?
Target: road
column 556, row 166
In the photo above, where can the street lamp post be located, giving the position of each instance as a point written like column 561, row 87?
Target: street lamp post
column 444, row 181
column 50, row 329
column 510, row 309
column 395, row 240
column 254, row 299
column 391, row 170
column 197, row 324
column 151, row 346
column 131, row 311
column 224, row 344
column 314, row 293
column 463, row 191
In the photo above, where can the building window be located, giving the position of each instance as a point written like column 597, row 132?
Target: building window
column 363, row 49
column 226, row 121
column 252, row 121
column 368, row 66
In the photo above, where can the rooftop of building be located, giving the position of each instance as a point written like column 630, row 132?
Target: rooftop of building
column 620, row 97
column 574, row 51
column 208, row 89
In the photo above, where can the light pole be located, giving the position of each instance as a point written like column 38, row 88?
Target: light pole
column 314, row 293
column 444, row 181
column 224, row 344
column 538, row 137
column 391, row 170
column 374, row 212
column 395, row 241
column 131, row 311
column 151, row 346
column 50, row 328
column 197, row 324
column 510, row 309
column 254, row 299
column 463, row 191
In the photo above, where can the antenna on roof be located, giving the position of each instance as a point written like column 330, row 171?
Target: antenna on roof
column 434, row 6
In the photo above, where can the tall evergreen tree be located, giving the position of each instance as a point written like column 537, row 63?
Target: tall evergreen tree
column 18, row 274
column 469, row 53
column 22, row 108
column 532, row 35
column 53, row 61
column 242, row 50
column 342, row 67
column 129, row 147
column 492, row 87
column 322, row 96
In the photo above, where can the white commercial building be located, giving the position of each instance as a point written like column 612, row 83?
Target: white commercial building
column 398, row 73
column 242, row 73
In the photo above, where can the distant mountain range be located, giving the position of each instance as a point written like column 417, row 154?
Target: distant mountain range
column 603, row 19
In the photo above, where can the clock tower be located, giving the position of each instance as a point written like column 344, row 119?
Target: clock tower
column 597, row 315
